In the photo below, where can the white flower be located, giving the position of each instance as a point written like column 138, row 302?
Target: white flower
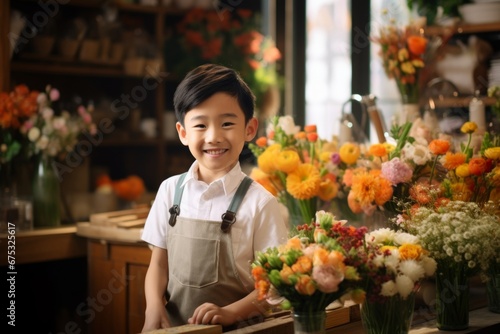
column 392, row 261
column 389, row 289
column 405, row 238
column 429, row 265
column 288, row 125
column 412, row 269
column 405, row 285
column 380, row 236
column 417, row 153
column 34, row 134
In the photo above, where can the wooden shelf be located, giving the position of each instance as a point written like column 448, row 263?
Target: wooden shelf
column 463, row 28
column 67, row 69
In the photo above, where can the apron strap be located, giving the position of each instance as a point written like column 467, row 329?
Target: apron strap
column 229, row 217
column 175, row 209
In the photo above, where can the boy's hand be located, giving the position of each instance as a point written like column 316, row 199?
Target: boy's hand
column 155, row 319
column 211, row 314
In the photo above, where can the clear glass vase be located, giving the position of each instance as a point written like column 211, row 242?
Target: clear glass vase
column 452, row 296
column 46, row 193
column 393, row 315
column 493, row 288
column 309, row 322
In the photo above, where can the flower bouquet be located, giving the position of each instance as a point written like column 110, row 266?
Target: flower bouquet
column 396, row 264
column 296, row 167
column 15, row 108
column 459, row 236
column 312, row 270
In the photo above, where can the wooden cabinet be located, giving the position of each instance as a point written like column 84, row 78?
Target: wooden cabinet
column 124, row 92
column 116, row 273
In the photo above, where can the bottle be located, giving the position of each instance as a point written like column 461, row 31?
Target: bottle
column 477, row 113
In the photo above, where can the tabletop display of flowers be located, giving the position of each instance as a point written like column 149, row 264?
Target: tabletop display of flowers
column 230, row 38
column 295, row 165
column 313, row 269
column 55, row 133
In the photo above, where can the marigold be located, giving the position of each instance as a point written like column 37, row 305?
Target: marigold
column 304, row 182
column 439, row 146
column 383, row 192
column 451, row 161
column 364, row 188
column 349, row 153
column 287, row 161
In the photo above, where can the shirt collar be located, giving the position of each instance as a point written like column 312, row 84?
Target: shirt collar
column 230, row 181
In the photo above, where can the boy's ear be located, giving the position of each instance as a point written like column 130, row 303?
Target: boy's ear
column 181, row 131
column 251, row 129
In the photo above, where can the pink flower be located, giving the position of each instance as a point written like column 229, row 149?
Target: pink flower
column 54, row 94
column 327, row 278
column 396, row 171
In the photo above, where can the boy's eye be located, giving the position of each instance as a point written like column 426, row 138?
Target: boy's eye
column 201, row 126
column 226, row 124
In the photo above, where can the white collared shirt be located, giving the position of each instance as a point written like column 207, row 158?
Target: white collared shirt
column 259, row 220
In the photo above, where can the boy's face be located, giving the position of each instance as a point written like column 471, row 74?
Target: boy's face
column 215, row 133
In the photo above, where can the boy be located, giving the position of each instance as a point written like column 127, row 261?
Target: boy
column 207, row 280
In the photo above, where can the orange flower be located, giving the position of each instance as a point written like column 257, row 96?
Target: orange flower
column 417, row 44
column 303, row 265
column 300, row 135
column 303, row 183
column 452, row 160
column 312, row 137
column 441, row 201
column 353, row 203
column 305, row 285
column 310, row 128
column 285, row 273
column 328, row 189
column 439, row 146
column 383, row 192
column 378, row 150
column 410, row 251
column 261, row 141
column 460, row 192
column 478, row 166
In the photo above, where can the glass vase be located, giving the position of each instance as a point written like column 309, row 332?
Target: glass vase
column 493, row 288
column 452, row 297
column 46, row 193
column 309, row 322
column 393, row 315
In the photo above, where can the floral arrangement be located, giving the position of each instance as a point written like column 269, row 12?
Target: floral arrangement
column 402, row 50
column 313, row 269
column 230, row 38
column 55, row 134
column 397, row 262
column 295, row 165
column 15, row 108
column 456, row 233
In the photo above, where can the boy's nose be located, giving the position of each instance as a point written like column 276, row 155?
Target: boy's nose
column 213, row 136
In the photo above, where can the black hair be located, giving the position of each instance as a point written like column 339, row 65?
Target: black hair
column 206, row 80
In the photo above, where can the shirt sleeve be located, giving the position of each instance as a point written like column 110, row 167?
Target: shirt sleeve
column 155, row 228
column 271, row 229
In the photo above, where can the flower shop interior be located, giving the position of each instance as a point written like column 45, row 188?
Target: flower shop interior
column 393, row 107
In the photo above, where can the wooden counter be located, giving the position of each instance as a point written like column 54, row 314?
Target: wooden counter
column 40, row 245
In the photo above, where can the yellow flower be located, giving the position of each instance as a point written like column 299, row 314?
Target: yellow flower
column 385, row 248
column 410, row 251
column 460, row 192
column 378, row 150
column 287, row 161
column 349, row 153
column 328, row 189
column 462, row 170
column 492, row 153
column 469, row 127
column 325, row 156
column 407, row 67
column 304, row 182
column 417, row 63
column 403, row 54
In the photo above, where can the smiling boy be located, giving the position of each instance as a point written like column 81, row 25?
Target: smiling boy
column 208, row 223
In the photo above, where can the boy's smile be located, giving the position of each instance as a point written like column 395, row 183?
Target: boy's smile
column 215, row 132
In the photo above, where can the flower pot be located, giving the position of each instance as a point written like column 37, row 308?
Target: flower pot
column 392, row 315
column 309, row 322
column 452, row 296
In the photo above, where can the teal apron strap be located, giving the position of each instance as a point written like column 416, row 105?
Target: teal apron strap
column 229, row 217
column 175, row 209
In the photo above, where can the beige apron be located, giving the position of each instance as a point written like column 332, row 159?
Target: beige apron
column 201, row 262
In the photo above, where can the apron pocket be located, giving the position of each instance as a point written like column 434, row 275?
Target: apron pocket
column 196, row 261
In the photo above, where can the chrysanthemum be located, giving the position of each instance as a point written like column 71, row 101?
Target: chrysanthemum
column 389, row 289
column 364, row 188
column 304, row 182
column 404, row 285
